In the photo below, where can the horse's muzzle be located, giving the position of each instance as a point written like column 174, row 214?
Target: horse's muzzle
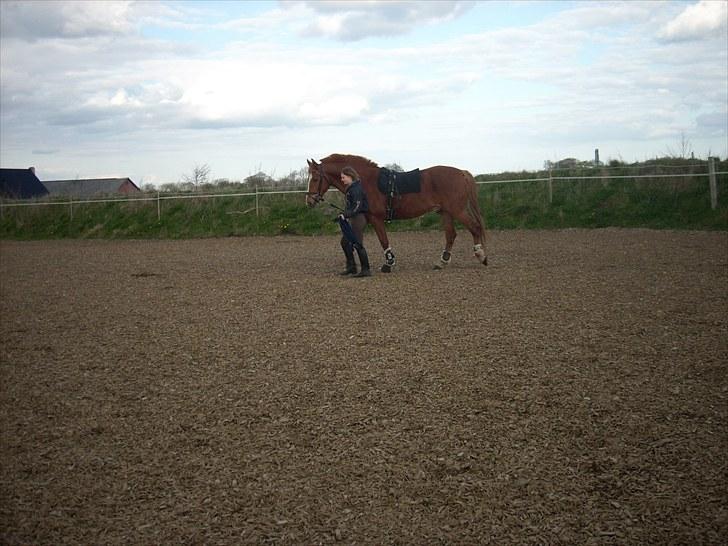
column 313, row 199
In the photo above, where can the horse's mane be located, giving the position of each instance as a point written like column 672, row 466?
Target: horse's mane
column 349, row 160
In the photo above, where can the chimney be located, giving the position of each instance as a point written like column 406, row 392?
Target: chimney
column 596, row 157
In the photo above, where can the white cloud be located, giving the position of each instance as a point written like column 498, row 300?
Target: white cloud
column 273, row 19
column 706, row 18
column 245, row 92
column 354, row 20
column 33, row 19
column 587, row 16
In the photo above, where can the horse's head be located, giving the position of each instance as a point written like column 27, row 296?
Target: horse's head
column 318, row 183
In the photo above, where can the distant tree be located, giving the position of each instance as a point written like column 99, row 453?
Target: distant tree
column 226, row 184
column 684, row 148
column 200, row 175
column 169, row 187
column 394, row 167
column 149, row 188
column 259, row 179
column 294, row 178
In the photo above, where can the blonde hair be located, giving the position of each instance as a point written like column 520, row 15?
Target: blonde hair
column 349, row 171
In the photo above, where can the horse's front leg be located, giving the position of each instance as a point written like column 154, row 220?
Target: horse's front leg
column 389, row 260
column 450, row 234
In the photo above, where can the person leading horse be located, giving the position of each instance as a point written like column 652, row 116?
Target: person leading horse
column 449, row 191
column 357, row 206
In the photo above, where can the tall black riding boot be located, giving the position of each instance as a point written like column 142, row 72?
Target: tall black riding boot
column 350, row 263
column 364, row 259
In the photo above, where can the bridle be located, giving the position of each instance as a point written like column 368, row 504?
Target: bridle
column 318, row 196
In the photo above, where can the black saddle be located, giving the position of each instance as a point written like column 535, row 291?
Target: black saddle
column 394, row 183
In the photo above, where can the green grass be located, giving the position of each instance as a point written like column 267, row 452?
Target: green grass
column 681, row 204
column 670, row 203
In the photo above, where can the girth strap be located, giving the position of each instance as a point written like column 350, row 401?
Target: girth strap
column 391, row 191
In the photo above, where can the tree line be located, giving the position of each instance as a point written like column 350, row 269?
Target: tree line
column 200, row 180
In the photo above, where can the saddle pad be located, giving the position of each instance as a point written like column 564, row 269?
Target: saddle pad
column 408, row 182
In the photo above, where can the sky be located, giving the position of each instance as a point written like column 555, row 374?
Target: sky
column 151, row 90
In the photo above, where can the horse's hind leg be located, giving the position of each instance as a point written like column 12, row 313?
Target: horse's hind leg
column 450, row 234
column 475, row 227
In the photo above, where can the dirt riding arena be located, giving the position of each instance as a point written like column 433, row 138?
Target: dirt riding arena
column 233, row 391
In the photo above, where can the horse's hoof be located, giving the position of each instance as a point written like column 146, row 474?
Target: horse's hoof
column 386, row 268
column 485, row 260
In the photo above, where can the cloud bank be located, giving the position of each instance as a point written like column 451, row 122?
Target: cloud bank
column 144, row 77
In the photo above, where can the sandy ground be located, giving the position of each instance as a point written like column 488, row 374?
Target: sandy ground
column 232, row 391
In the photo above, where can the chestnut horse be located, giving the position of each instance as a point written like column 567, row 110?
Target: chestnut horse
column 448, row 191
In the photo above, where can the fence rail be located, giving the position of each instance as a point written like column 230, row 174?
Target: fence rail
column 597, row 178
column 158, row 197
column 258, row 192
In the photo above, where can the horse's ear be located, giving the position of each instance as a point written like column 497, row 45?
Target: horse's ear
column 309, row 162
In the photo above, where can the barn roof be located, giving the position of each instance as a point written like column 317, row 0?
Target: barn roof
column 89, row 187
column 20, row 184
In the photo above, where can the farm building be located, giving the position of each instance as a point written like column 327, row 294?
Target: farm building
column 91, row 187
column 20, row 184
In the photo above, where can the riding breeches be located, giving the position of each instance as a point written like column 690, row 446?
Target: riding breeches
column 358, row 222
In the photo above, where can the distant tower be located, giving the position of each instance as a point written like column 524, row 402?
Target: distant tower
column 596, row 157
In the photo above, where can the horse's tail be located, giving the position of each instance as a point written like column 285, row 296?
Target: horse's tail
column 472, row 206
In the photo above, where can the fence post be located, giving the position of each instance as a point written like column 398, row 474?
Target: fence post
column 70, row 201
column 256, row 201
column 159, row 209
column 713, row 185
column 551, row 188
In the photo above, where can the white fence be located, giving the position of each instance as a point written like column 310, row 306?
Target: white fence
column 159, row 197
column 711, row 175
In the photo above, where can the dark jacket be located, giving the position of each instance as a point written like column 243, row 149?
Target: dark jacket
column 356, row 200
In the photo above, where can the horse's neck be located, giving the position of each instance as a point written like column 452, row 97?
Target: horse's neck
column 368, row 176
column 336, row 182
